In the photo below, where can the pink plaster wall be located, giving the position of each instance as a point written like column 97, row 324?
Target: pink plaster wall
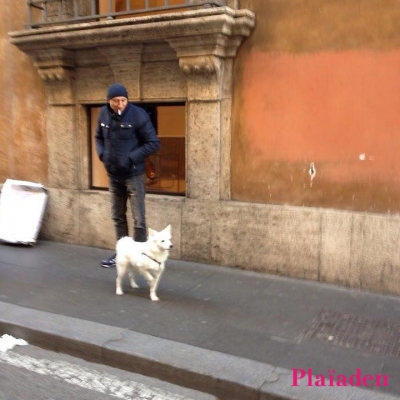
column 326, row 108
column 308, row 94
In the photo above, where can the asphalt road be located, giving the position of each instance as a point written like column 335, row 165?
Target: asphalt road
column 31, row 373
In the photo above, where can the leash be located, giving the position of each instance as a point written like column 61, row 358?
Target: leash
column 144, row 254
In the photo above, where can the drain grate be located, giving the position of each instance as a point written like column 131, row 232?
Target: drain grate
column 357, row 332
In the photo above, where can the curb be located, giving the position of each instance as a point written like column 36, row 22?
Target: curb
column 225, row 376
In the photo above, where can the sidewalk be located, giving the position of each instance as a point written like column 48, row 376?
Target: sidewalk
column 232, row 333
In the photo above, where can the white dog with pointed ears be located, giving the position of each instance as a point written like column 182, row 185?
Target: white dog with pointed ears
column 146, row 258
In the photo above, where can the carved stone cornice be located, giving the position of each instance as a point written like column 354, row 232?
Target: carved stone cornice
column 195, row 24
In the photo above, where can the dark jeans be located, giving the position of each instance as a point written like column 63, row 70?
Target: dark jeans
column 133, row 189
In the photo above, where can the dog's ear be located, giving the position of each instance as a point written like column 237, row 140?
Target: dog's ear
column 168, row 228
column 152, row 232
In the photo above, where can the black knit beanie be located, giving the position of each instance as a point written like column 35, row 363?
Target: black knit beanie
column 116, row 90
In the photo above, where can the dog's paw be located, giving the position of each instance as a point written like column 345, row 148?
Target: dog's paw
column 153, row 297
column 119, row 292
column 134, row 285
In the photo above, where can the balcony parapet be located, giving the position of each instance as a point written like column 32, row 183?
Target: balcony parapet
column 43, row 13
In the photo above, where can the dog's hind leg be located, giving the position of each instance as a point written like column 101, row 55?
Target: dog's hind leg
column 121, row 271
column 119, row 290
column 131, row 275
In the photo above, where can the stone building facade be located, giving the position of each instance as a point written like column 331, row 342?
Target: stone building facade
column 253, row 199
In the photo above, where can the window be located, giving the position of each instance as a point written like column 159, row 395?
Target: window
column 168, row 164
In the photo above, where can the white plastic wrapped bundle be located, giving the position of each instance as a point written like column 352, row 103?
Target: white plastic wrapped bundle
column 22, row 206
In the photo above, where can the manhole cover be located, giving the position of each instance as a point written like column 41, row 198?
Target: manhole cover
column 357, row 332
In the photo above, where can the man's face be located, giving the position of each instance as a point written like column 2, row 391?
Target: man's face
column 118, row 103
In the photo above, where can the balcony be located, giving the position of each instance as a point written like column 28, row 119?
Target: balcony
column 201, row 32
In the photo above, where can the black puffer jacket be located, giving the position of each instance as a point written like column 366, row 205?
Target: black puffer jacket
column 124, row 141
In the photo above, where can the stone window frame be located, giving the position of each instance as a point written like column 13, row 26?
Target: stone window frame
column 159, row 178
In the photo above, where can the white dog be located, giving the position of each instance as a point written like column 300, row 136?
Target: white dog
column 146, row 258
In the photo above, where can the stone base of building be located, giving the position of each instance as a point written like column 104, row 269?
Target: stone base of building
column 356, row 250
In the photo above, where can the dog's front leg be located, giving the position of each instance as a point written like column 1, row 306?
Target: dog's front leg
column 150, row 280
column 154, row 284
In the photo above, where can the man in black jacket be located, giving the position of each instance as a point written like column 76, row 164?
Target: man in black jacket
column 124, row 138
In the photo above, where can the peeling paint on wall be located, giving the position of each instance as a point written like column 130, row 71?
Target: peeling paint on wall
column 312, row 172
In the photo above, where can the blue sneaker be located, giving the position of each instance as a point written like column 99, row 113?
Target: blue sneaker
column 109, row 262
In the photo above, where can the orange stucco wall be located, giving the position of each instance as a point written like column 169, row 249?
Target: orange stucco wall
column 316, row 86
column 23, row 146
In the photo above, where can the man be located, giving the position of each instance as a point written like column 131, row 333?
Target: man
column 124, row 138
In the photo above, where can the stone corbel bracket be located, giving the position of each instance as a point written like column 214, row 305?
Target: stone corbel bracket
column 54, row 73
column 220, row 38
column 54, row 64
column 205, row 65
column 56, row 67
column 203, row 55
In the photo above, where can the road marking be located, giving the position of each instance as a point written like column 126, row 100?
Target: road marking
column 88, row 378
